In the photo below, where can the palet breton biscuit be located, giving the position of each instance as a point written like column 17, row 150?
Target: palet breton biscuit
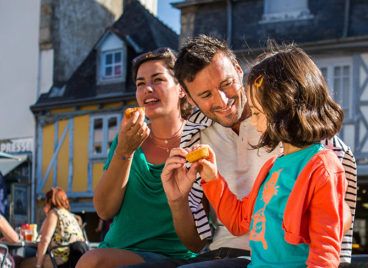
column 129, row 111
column 197, row 154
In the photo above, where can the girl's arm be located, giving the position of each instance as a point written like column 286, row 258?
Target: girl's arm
column 231, row 212
column 234, row 214
column 326, row 219
column 48, row 229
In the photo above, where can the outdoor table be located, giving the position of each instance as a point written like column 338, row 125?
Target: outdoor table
column 19, row 247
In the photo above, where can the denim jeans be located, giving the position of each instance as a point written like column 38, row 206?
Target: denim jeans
column 219, row 263
column 222, row 257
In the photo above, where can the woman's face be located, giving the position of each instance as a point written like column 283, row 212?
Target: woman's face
column 258, row 118
column 157, row 90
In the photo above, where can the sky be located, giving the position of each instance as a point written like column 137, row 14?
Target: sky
column 169, row 15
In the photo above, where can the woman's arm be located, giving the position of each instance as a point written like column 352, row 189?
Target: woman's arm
column 184, row 224
column 110, row 189
column 177, row 182
column 8, row 232
column 48, row 229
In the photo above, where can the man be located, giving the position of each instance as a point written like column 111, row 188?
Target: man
column 213, row 80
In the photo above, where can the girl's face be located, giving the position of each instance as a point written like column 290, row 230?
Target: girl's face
column 157, row 91
column 258, row 118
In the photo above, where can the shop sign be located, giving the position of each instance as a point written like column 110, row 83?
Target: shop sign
column 16, row 145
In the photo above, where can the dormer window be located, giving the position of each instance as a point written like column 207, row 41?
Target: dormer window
column 112, row 65
column 112, row 60
column 284, row 10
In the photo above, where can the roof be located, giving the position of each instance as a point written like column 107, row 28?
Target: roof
column 328, row 20
column 141, row 31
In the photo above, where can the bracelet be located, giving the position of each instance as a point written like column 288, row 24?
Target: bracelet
column 124, row 157
column 38, row 266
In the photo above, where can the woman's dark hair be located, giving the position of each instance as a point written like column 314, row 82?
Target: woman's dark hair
column 168, row 57
column 57, row 198
column 198, row 54
column 294, row 96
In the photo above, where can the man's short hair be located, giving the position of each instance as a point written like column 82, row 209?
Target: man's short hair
column 198, row 53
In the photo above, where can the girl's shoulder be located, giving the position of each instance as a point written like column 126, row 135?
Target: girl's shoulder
column 327, row 158
column 324, row 164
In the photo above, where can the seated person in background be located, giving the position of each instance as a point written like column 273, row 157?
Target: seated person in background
column 58, row 229
column 8, row 235
column 7, row 231
column 130, row 190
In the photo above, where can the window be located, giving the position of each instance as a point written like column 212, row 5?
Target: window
column 111, row 65
column 112, row 57
column 281, row 10
column 338, row 74
column 103, row 130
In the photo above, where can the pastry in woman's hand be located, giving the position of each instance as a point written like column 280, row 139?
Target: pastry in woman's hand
column 130, row 111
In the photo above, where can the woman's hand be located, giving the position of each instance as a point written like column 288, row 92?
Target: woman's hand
column 133, row 132
column 176, row 179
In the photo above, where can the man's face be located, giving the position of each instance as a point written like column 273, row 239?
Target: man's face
column 218, row 92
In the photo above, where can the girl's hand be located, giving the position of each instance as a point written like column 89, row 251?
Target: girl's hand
column 207, row 166
column 133, row 132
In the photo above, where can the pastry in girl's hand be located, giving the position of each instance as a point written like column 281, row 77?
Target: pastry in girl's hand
column 197, row 154
column 130, row 111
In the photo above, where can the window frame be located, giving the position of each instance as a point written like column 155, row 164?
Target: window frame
column 330, row 64
column 104, row 65
column 105, row 134
column 270, row 16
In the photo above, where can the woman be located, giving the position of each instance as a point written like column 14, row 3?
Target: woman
column 59, row 228
column 8, row 235
column 130, row 190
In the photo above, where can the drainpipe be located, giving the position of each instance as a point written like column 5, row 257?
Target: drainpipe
column 346, row 19
column 229, row 11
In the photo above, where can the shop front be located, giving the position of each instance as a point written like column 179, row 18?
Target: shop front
column 16, row 180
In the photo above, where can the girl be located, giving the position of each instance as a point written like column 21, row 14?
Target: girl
column 294, row 212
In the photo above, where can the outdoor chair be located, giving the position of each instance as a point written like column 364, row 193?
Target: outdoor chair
column 6, row 260
column 77, row 249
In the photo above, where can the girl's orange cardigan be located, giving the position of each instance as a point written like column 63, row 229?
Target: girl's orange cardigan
column 313, row 214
